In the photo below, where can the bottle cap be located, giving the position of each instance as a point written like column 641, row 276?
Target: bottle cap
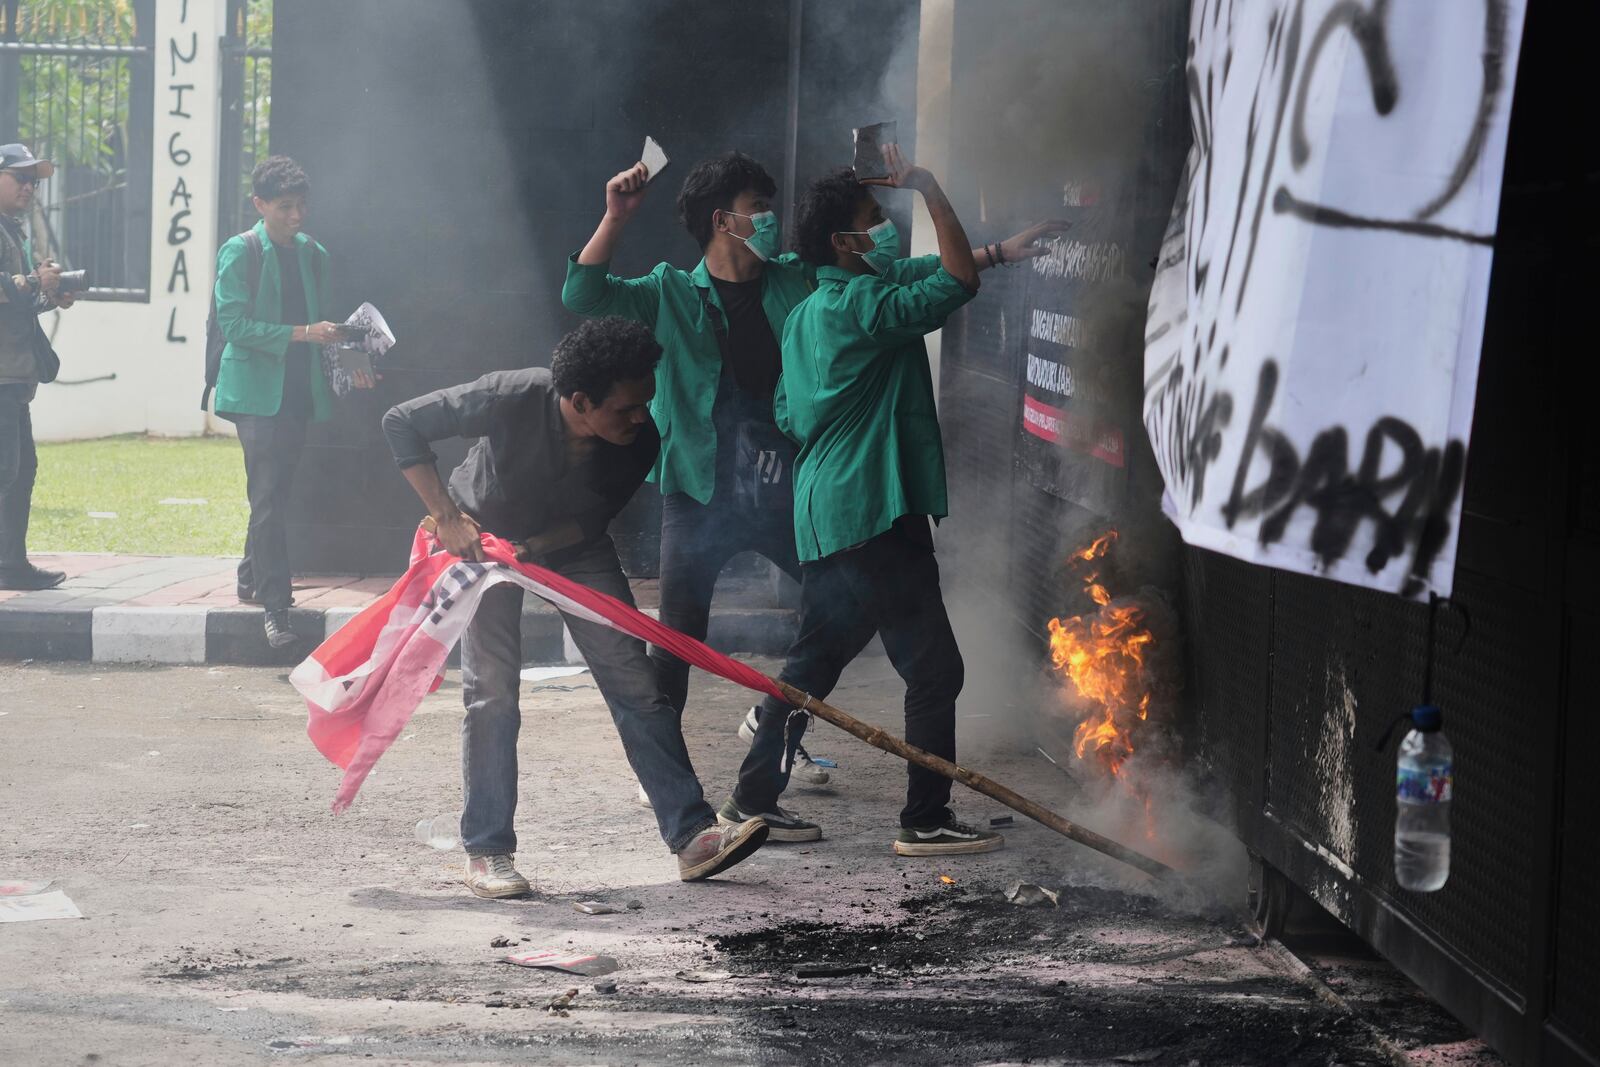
column 1427, row 718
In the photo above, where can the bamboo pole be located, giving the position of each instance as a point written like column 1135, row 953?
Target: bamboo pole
column 973, row 780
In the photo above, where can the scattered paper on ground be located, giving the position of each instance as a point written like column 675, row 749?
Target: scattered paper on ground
column 597, row 907
column 545, row 674
column 549, row 959
column 22, row 889
column 1029, row 895
column 38, row 906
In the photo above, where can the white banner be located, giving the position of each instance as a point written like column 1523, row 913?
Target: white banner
column 1311, row 354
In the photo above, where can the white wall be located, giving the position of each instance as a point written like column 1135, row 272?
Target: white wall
column 155, row 350
column 935, row 46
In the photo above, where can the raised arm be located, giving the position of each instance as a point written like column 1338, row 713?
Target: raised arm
column 955, row 253
column 624, row 194
column 590, row 288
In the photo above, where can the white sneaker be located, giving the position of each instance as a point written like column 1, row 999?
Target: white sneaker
column 805, row 769
column 495, row 877
column 644, row 799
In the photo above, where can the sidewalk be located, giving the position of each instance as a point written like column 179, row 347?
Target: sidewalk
column 181, row 609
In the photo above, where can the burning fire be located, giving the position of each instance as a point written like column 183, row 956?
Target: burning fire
column 1104, row 656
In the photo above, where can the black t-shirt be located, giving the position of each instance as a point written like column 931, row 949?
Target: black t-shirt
column 753, row 352
column 297, row 360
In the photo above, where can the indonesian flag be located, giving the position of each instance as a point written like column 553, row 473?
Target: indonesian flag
column 362, row 684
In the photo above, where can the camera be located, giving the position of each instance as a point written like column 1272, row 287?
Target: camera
column 73, row 281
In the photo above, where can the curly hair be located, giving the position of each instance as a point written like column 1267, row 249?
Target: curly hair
column 827, row 207
column 713, row 184
column 602, row 352
column 278, row 176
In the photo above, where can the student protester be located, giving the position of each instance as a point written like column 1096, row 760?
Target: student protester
column 726, row 470
column 26, row 291
column 271, row 384
column 858, row 396
column 558, row 454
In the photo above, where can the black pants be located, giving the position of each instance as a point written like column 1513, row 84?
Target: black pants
column 697, row 540
column 888, row 586
column 19, row 463
column 272, row 447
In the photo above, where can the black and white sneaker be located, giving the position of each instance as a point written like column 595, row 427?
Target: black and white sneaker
column 805, row 770
column 279, row 635
column 785, row 825
column 951, row 839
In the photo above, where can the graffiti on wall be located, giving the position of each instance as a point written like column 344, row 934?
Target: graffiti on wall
column 1311, row 348
column 181, row 48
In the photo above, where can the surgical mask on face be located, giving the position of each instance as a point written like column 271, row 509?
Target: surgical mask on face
column 885, row 245
column 764, row 242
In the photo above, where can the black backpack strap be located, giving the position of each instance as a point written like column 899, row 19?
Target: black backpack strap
column 252, row 267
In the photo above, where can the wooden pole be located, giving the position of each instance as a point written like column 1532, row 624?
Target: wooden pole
column 973, row 780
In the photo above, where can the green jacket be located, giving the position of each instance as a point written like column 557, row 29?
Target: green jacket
column 857, row 395
column 250, row 381
column 671, row 302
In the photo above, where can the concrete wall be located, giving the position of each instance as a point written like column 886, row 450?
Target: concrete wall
column 131, row 367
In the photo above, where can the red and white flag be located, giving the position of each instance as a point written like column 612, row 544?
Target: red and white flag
column 362, row 684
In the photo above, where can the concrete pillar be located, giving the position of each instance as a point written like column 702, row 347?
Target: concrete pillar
column 140, row 367
column 935, row 46
column 188, row 108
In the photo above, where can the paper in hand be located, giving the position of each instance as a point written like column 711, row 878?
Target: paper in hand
column 654, row 159
column 869, row 149
column 342, row 360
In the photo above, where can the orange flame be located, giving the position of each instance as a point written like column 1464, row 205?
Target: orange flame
column 1103, row 656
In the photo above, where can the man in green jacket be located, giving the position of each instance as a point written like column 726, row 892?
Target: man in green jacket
column 725, row 469
column 271, row 383
column 858, row 396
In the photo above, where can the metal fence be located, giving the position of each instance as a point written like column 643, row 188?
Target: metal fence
column 246, row 109
column 76, row 85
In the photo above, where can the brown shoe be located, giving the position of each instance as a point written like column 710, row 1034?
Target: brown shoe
column 716, row 848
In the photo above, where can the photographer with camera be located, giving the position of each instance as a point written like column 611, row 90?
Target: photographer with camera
column 26, row 359
column 270, row 383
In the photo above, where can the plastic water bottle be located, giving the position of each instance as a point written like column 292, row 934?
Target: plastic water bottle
column 1422, row 790
column 442, row 832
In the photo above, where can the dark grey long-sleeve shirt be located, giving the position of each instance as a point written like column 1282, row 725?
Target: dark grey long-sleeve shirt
column 517, row 481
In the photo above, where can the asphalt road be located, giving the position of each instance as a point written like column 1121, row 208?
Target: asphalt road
column 229, row 918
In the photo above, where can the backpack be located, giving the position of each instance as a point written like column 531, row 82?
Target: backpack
column 215, row 342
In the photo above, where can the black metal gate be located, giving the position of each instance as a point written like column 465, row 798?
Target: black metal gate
column 76, row 85
column 246, row 110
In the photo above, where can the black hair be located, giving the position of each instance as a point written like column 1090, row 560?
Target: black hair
column 278, row 176
column 715, row 183
column 827, row 207
column 602, row 352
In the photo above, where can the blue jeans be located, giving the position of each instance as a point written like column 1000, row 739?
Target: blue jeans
column 888, row 586
column 491, row 665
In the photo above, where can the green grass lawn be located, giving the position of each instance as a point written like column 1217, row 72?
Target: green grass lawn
column 129, row 477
